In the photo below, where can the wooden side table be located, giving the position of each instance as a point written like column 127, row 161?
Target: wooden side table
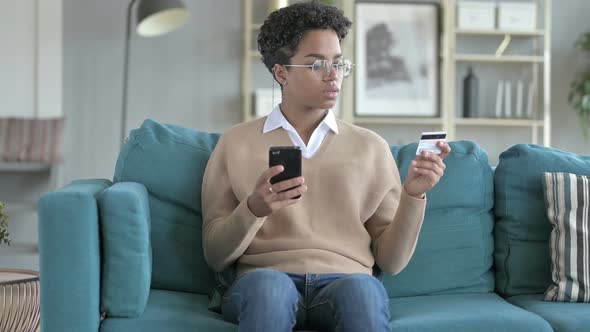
column 19, row 300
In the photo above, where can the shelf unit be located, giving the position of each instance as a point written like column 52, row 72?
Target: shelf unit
column 14, row 167
column 249, row 55
column 449, row 59
column 501, row 58
column 541, row 57
column 22, row 169
column 477, row 32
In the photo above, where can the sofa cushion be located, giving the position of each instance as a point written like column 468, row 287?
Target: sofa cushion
column 126, row 252
column 170, row 161
column 563, row 317
column 171, row 312
column 462, row 312
column 567, row 201
column 522, row 229
column 454, row 250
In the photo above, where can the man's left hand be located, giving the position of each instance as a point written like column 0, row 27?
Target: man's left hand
column 426, row 170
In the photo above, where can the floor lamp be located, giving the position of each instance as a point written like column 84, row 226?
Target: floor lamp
column 153, row 18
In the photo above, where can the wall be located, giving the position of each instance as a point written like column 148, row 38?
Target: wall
column 31, row 71
column 192, row 77
column 189, row 77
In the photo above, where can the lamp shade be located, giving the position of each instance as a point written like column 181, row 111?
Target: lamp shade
column 158, row 17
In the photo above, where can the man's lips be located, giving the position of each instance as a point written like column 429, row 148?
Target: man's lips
column 331, row 92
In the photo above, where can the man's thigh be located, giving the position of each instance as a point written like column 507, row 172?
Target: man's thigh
column 350, row 297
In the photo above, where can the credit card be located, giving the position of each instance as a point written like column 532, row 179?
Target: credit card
column 428, row 141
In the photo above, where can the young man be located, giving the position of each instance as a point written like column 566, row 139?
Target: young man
column 308, row 262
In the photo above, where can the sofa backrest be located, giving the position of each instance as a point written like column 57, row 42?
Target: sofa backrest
column 170, row 161
column 522, row 229
column 454, row 253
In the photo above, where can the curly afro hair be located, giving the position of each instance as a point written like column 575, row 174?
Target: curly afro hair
column 283, row 29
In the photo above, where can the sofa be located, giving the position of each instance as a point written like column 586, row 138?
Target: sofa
column 126, row 254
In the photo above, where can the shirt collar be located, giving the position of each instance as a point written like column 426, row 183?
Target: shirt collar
column 276, row 119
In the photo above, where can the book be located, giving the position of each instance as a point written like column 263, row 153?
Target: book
column 508, row 99
column 519, row 99
column 530, row 101
column 499, row 95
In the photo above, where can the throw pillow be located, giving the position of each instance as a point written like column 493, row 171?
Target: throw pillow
column 567, row 198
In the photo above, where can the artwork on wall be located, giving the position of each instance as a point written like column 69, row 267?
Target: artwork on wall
column 396, row 52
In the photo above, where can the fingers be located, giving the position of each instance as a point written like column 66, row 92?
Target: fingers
column 432, row 177
column 287, row 184
column 428, row 165
column 269, row 173
column 289, row 194
column 444, row 148
column 268, row 198
column 431, row 158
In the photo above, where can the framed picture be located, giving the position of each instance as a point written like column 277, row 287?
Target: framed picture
column 396, row 55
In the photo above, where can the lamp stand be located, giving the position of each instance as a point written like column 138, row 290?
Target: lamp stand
column 126, row 72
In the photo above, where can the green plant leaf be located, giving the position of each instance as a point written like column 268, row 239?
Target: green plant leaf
column 4, row 235
column 583, row 42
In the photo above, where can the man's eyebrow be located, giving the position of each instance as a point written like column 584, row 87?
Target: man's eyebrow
column 319, row 56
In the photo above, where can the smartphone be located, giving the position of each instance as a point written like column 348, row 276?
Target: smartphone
column 428, row 141
column 290, row 158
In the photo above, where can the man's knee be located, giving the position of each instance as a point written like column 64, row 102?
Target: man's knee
column 364, row 288
column 269, row 285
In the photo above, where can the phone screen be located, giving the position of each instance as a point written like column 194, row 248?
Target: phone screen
column 290, row 158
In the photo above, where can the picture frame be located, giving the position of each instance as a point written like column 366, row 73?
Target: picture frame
column 397, row 59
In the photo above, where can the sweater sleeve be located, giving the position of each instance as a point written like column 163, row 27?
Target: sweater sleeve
column 228, row 224
column 396, row 223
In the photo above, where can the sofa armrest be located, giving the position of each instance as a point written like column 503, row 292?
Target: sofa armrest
column 69, row 257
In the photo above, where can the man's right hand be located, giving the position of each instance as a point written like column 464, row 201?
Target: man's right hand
column 268, row 198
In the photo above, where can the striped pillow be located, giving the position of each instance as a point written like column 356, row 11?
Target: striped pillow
column 567, row 198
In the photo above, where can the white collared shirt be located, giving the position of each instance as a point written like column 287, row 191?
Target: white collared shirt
column 276, row 119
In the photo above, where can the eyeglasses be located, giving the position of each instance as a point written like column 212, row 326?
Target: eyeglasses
column 323, row 68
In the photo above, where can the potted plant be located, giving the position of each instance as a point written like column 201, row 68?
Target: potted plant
column 579, row 96
column 4, row 235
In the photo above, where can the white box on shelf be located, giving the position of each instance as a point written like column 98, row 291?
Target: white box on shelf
column 519, row 16
column 476, row 15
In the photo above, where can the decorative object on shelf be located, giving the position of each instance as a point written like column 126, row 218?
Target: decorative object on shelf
column 31, row 140
column 579, row 95
column 509, row 107
column 397, row 48
column 153, row 18
column 265, row 102
column 4, row 235
column 517, row 16
column 19, row 300
column 470, row 94
column 476, row 15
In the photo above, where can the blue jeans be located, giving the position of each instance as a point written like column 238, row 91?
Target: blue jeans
column 269, row 300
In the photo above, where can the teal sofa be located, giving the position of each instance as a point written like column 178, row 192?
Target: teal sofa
column 126, row 255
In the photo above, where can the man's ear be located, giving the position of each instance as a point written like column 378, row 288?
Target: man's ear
column 280, row 74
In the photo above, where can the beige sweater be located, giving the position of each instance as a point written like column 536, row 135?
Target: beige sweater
column 354, row 214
